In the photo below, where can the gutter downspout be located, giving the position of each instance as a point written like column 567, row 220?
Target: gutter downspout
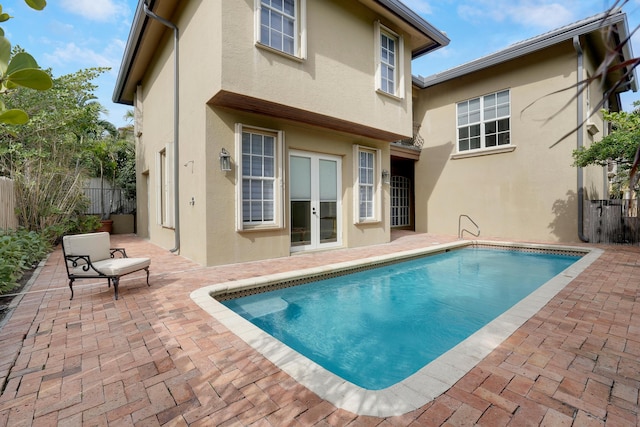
column 580, row 138
column 176, row 116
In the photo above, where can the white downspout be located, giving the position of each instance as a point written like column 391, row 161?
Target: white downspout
column 176, row 121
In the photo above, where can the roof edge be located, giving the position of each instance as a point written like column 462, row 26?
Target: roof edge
column 531, row 45
column 416, row 21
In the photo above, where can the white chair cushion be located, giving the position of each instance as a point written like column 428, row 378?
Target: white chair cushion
column 113, row 267
column 95, row 245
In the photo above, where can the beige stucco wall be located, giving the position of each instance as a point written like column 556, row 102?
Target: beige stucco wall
column 225, row 244
column 336, row 78
column 220, row 54
column 527, row 194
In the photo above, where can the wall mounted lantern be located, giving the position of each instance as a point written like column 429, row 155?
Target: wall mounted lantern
column 225, row 160
column 385, row 176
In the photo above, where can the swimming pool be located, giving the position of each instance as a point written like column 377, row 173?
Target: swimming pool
column 376, row 327
column 416, row 390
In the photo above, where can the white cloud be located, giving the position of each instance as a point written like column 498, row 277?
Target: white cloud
column 96, row 10
column 527, row 13
column 71, row 53
column 422, row 7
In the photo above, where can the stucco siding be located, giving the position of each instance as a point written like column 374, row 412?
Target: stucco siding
column 337, row 78
column 528, row 193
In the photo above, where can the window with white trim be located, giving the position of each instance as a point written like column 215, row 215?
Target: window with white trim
column 389, row 54
column 259, row 174
column 367, row 185
column 484, row 122
column 165, row 211
column 281, row 25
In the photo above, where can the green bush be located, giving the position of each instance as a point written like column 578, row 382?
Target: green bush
column 20, row 250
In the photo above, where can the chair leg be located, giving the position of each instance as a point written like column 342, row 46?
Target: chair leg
column 147, row 270
column 116, row 280
column 71, row 287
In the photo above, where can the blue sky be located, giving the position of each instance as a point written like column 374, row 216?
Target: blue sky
column 69, row 35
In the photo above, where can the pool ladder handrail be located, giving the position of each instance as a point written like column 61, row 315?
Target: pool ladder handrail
column 462, row 230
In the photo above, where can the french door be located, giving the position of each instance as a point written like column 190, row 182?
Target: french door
column 315, row 203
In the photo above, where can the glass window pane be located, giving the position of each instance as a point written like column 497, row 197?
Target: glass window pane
column 490, row 127
column 267, row 190
column 491, row 141
column 503, row 97
column 463, row 133
column 269, row 145
column 256, row 190
column 463, row 145
column 489, row 114
column 489, row 101
column 474, row 104
column 246, row 211
column 256, row 211
column 268, row 211
column 269, row 168
column 290, row 7
column 328, row 180
column 474, row 143
column 300, row 179
column 503, row 138
column 246, row 164
column 256, row 166
column 503, row 110
column 474, row 117
column 503, row 125
column 246, row 185
column 474, row 130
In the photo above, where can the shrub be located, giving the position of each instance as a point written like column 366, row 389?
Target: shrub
column 20, row 250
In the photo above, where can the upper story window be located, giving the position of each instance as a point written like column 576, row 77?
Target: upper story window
column 260, row 171
column 389, row 53
column 484, row 122
column 281, row 25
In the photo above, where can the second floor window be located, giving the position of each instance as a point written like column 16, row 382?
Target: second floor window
column 389, row 54
column 484, row 122
column 388, row 47
column 278, row 25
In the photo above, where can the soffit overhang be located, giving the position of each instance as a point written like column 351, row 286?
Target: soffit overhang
column 249, row 104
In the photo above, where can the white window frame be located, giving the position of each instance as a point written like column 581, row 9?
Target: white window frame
column 165, row 203
column 480, row 118
column 300, row 30
column 278, row 210
column 398, row 65
column 376, row 185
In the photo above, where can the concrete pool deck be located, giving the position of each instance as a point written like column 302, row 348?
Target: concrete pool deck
column 154, row 357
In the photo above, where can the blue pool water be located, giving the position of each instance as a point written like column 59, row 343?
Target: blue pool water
column 377, row 327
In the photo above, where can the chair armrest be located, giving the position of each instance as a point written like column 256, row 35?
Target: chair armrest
column 86, row 265
column 121, row 251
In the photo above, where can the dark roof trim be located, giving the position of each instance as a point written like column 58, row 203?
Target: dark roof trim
column 534, row 44
column 416, row 21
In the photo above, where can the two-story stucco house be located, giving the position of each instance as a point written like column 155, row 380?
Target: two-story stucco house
column 267, row 127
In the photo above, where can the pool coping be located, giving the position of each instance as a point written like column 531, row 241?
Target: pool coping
column 430, row 381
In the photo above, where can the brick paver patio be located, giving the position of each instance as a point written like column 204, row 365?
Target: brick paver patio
column 155, row 358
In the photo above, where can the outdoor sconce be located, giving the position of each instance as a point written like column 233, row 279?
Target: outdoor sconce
column 225, row 161
column 385, row 176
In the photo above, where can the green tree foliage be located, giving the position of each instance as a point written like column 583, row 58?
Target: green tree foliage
column 19, row 70
column 620, row 146
column 50, row 156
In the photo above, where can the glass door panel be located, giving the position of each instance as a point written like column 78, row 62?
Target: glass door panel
column 300, row 174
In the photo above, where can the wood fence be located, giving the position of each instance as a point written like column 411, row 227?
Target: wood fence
column 8, row 219
column 613, row 221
